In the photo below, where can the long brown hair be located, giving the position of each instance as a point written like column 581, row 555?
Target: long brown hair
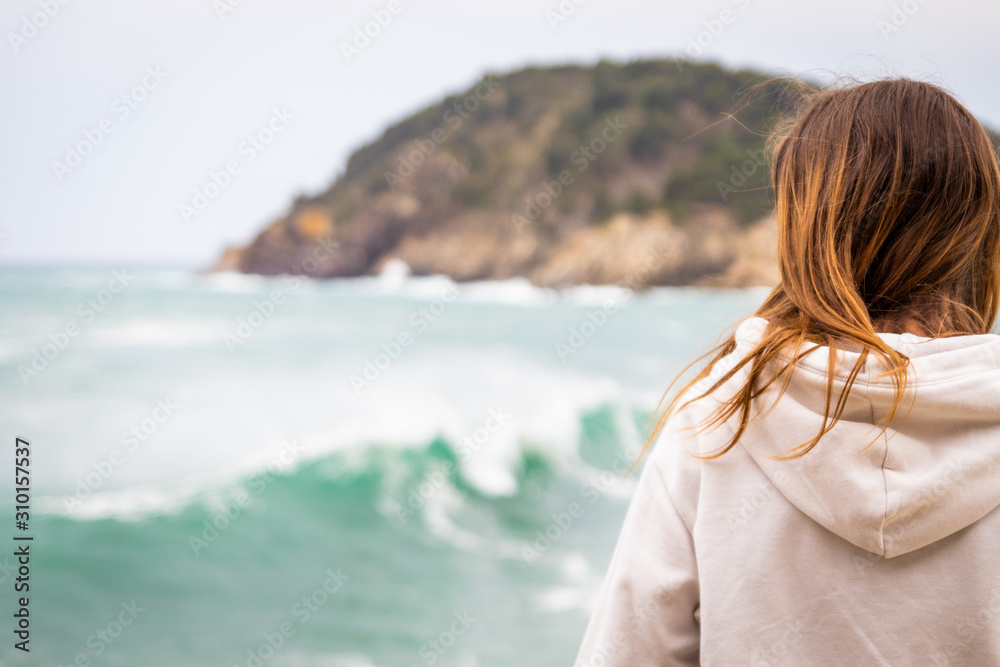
column 887, row 199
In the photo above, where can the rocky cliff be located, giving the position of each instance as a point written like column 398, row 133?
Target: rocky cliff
column 633, row 174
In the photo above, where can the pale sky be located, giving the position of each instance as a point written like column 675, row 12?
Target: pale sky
column 198, row 80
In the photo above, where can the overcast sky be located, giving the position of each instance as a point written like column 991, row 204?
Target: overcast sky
column 200, row 76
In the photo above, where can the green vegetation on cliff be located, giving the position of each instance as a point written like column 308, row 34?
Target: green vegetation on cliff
column 649, row 172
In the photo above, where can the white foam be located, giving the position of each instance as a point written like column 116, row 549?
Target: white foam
column 438, row 512
column 597, row 295
column 392, row 283
column 515, row 291
column 395, row 270
column 10, row 350
column 396, row 279
column 562, row 598
column 232, row 281
column 168, row 279
column 149, row 332
column 541, row 408
column 133, row 504
column 395, row 282
column 532, row 409
column 491, row 469
column 576, row 568
column 299, row 658
column 580, row 591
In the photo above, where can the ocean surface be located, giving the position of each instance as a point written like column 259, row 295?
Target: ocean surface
column 235, row 470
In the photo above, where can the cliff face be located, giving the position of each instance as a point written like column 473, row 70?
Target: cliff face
column 630, row 174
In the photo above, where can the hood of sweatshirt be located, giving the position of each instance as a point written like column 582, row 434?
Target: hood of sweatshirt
column 935, row 470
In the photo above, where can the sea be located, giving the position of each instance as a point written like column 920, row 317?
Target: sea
column 234, row 470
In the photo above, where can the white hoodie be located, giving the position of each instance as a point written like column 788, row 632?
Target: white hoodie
column 886, row 555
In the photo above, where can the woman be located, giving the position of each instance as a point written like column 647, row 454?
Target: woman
column 826, row 490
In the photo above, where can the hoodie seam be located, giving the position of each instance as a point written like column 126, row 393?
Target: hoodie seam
column 670, row 498
column 885, row 481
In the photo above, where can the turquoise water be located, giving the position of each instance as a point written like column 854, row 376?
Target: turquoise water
column 367, row 472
